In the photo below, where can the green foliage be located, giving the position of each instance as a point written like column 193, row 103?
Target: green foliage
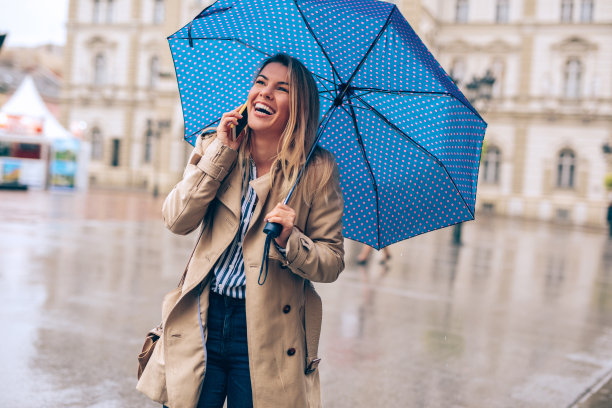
column 608, row 181
column 483, row 152
column 67, row 155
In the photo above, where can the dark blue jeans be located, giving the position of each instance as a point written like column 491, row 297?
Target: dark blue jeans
column 227, row 366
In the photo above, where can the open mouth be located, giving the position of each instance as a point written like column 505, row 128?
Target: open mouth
column 260, row 107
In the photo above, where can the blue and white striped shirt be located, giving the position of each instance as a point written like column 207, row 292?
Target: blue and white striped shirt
column 230, row 279
column 229, row 269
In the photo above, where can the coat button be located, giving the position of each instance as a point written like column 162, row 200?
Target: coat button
column 291, row 351
column 286, row 309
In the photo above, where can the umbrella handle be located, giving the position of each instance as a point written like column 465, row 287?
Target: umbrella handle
column 273, row 229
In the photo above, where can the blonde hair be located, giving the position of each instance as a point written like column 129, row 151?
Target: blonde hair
column 297, row 137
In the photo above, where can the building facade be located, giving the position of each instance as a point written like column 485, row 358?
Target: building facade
column 121, row 90
column 549, row 108
column 540, row 72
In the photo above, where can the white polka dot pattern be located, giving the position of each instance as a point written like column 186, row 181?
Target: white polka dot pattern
column 406, row 140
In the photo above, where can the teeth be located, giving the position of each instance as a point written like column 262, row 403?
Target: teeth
column 263, row 108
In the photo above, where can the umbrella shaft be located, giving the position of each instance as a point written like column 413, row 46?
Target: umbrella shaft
column 320, row 131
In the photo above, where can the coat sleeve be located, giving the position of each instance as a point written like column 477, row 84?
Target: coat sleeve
column 187, row 203
column 317, row 254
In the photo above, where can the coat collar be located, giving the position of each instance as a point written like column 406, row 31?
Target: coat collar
column 230, row 190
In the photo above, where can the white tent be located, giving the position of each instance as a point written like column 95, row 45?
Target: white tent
column 57, row 169
column 26, row 101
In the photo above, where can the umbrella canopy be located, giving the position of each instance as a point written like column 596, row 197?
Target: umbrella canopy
column 406, row 140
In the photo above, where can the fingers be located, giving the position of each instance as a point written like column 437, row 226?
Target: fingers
column 227, row 124
column 281, row 210
column 229, row 118
column 283, row 215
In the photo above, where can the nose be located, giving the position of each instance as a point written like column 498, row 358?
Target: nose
column 266, row 92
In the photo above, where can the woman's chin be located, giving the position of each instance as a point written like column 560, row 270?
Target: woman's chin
column 260, row 126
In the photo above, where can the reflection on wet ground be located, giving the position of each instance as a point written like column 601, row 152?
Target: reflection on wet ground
column 519, row 316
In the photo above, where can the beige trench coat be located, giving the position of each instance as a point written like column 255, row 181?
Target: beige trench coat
column 209, row 195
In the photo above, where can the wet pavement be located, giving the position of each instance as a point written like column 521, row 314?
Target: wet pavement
column 519, row 316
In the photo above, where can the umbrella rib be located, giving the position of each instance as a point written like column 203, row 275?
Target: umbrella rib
column 401, row 91
column 327, row 90
column 432, row 93
column 225, row 39
column 414, row 142
column 246, row 45
column 367, row 163
column 367, row 54
column 323, row 79
column 320, row 130
column 317, row 40
column 346, row 103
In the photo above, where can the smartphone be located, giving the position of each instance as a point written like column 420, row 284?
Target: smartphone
column 242, row 122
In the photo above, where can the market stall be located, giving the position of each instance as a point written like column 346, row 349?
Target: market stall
column 35, row 149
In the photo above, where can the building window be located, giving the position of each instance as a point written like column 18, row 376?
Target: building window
column 96, row 10
column 566, row 169
column 491, row 164
column 567, row 10
column 586, row 11
column 158, row 12
column 573, row 77
column 115, row 155
column 110, row 11
column 153, row 72
column 97, row 146
column 99, row 69
column 502, row 11
column 461, row 11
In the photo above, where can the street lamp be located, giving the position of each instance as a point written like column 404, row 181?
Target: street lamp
column 606, row 149
column 481, row 88
column 478, row 89
column 161, row 126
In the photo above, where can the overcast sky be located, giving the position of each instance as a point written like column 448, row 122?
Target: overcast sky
column 33, row 22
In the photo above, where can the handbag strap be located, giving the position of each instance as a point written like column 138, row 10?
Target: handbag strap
column 313, row 315
column 180, row 284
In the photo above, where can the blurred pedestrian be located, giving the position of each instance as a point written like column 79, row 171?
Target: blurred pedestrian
column 457, row 234
column 610, row 219
column 365, row 252
column 255, row 334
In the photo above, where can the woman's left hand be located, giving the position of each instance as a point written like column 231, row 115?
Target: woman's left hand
column 285, row 216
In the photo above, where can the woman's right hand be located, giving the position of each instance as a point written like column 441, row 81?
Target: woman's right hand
column 224, row 132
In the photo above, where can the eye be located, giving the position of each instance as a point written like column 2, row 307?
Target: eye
column 260, row 82
column 280, row 88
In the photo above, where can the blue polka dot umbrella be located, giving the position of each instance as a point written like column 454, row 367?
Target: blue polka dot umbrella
column 406, row 140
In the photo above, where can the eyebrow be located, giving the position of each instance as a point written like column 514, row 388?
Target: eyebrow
column 266, row 78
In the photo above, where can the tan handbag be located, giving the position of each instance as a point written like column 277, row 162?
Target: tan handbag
column 154, row 334
column 147, row 349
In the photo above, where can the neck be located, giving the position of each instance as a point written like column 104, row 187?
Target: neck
column 264, row 149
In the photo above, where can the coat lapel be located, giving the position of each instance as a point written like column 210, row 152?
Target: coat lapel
column 261, row 185
column 230, row 190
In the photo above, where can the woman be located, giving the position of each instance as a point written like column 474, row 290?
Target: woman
column 256, row 346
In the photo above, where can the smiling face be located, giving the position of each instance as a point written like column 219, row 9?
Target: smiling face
column 268, row 101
